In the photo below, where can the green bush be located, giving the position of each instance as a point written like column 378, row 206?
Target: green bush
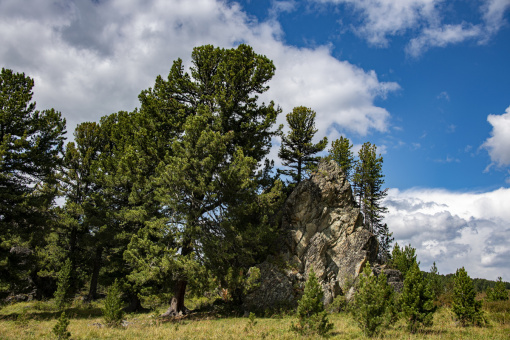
column 416, row 301
column 112, row 311
column 466, row 308
column 373, row 304
column 60, row 329
column 312, row 316
column 338, row 304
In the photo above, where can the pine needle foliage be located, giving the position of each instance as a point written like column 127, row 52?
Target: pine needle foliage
column 466, row 308
column 499, row 293
column 436, row 286
column 63, row 284
column 416, row 301
column 312, row 316
column 60, row 330
column 297, row 150
column 341, row 152
column 372, row 308
column 368, row 181
column 403, row 259
column 112, row 311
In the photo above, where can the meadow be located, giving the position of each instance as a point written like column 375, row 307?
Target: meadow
column 35, row 320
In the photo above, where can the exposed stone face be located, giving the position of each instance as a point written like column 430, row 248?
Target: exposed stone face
column 276, row 287
column 323, row 229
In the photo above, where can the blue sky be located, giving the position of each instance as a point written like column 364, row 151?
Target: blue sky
column 427, row 81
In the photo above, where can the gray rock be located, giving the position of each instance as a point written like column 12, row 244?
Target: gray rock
column 323, row 230
column 276, row 288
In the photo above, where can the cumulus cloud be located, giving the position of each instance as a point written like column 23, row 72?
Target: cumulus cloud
column 383, row 18
column 90, row 58
column 453, row 229
column 341, row 94
column 424, row 20
column 442, row 36
column 498, row 145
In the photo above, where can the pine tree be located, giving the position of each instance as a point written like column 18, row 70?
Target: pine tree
column 416, row 301
column 499, row 293
column 465, row 306
column 403, row 259
column 341, row 152
column 312, row 316
column 112, row 311
column 72, row 234
column 435, row 283
column 385, row 240
column 297, row 150
column 368, row 180
column 372, row 307
column 211, row 194
column 63, row 284
column 60, row 330
column 31, row 145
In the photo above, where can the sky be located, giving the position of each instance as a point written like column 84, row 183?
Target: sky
column 427, row 81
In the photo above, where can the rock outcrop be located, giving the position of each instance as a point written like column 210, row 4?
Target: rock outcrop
column 323, row 229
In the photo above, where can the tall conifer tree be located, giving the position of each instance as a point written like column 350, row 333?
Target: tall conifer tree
column 211, row 192
column 297, row 150
column 31, row 145
column 341, row 152
column 368, row 180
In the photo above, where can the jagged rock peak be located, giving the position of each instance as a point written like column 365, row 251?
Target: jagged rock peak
column 322, row 229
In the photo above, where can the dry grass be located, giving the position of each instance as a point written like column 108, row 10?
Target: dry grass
column 34, row 320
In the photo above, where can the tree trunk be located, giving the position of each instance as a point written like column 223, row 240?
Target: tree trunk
column 135, row 305
column 177, row 303
column 95, row 275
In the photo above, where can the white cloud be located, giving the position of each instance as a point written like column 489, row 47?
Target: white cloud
column 444, row 95
column 381, row 18
column 91, row 59
column 422, row 19
column 341, row 94
column 498, row 145
column 493, row 13
column 442, row 36
column 454, row 229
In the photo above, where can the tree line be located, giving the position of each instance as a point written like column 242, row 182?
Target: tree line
column 167, row 198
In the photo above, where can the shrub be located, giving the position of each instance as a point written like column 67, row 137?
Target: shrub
column 60, row 329
column 251, row 322
column 465, row 307
column 338, row 304
column 372, row 308
column 63, row 283
column 416, row 301
column 112, row 311
column 312, row 316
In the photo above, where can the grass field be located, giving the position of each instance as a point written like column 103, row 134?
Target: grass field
column 35, row 320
